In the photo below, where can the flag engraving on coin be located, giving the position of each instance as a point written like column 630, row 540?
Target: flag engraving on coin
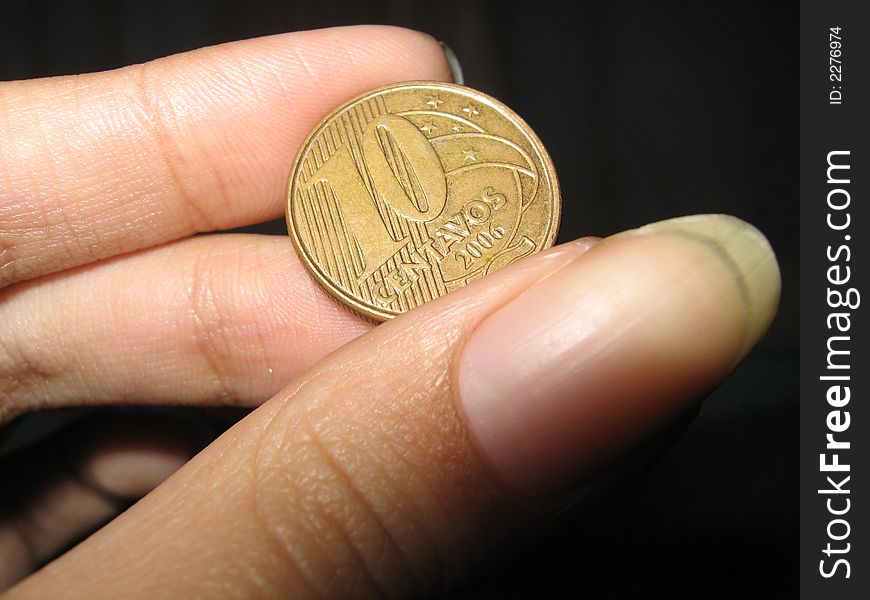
column 414, row 190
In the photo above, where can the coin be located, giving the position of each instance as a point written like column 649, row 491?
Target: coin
column 416, row 189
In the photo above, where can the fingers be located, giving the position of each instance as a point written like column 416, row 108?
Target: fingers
column 392, row 463
column 224, row 319
column 79, row 479
column 97, row 165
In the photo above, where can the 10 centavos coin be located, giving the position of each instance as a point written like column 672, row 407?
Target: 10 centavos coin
column 413, row 190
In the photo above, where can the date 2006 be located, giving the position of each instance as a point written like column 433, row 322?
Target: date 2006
column 835, row 65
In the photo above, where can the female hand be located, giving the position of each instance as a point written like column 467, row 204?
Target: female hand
column 390, row 463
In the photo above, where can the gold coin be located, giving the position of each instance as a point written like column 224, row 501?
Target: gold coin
column 413, row 190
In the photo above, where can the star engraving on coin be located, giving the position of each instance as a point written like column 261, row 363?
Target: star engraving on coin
column 428, row 127
column 470, row 110
column 395, row 199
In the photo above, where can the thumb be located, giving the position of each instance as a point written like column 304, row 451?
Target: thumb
column 409, row 452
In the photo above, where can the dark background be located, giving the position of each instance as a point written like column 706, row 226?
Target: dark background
column 650, row 110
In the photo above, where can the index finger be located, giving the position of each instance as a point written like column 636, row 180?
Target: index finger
column 99, row 165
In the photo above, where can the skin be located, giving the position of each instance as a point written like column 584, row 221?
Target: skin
column 365, row 469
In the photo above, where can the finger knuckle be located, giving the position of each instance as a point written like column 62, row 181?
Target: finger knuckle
column 8, row 261
column 20, row 372
column 10, row 209
column 210, row 335
column 156, row 110
column 38, row 229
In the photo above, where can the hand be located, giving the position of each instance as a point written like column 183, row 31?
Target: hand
column 391, row 462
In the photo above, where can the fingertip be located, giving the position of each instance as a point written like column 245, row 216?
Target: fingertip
column 415, row 50
column 744, row 253
column 564, row 381
column 390, row 52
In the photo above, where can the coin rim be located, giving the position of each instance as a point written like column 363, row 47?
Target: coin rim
column 311, row 266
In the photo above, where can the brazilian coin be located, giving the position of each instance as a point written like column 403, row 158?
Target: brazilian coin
column 413, row 190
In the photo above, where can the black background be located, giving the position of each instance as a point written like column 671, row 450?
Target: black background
column 650, row 110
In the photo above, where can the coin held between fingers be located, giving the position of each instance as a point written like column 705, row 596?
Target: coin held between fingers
column 416, row 189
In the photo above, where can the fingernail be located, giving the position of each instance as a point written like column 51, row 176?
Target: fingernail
column 453, row 62
column 590, row 362
column 745, row 251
